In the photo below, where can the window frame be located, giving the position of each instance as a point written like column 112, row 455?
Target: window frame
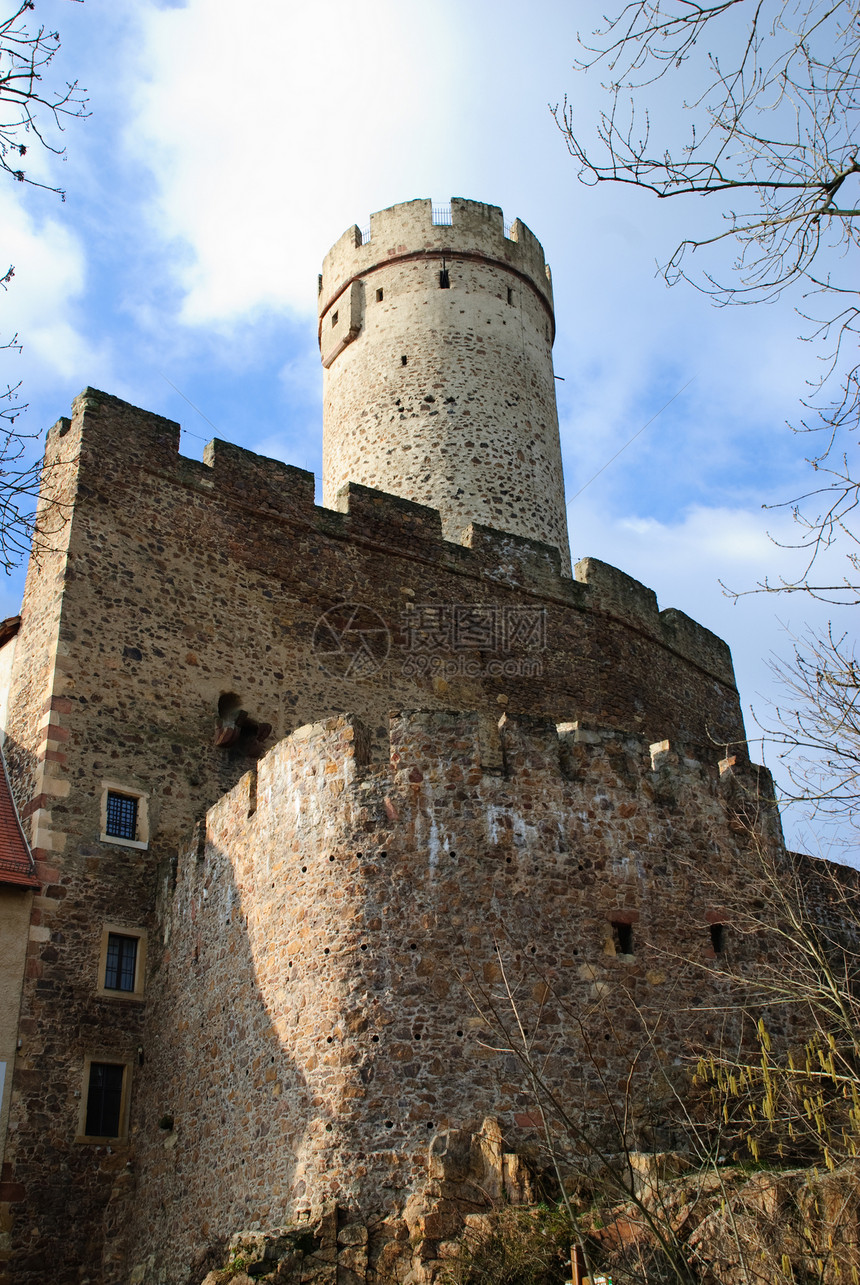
column 109, row 1139
column 122, row 930
column 141, row 842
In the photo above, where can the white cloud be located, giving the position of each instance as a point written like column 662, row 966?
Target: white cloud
column 50, row 269
column 269, row 141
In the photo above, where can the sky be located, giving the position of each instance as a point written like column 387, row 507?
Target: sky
column 227, row 148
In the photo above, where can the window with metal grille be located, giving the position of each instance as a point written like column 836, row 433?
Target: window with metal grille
column 120, row 962
column 121, row 816
column 104, row 1100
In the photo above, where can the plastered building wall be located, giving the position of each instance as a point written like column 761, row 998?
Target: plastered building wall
column 445, row 396
column 338, row 922
column 15, row 912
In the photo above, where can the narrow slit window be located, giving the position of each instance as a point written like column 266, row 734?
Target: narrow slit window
column 104, row 1100
column 333, row 319
column 622, row 935
column 444, row 280
column 510, row 295
column 121, row 820
column 403, row 361
column 120, row 962
column 718, row 938
column 379, row 295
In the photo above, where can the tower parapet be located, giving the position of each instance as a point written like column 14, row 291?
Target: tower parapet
column 436, row 343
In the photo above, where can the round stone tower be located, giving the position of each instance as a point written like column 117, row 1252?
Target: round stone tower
column 436, row 336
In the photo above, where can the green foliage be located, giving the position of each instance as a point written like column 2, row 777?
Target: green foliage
column 516, row 1246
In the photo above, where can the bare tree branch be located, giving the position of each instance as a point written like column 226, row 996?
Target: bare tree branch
column 29, row 110
column 773, row 128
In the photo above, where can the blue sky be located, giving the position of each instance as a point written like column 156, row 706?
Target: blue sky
column 227, row 148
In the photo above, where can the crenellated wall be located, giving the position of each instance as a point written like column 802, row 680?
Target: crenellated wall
column 334, row 937
column 176, row 585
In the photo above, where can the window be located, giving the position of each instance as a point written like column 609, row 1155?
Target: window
column 622, row 935
column 444, row 280
column 124, row 815
column 104, row 1100
column 121, row 816
column 379, row 296
column 510, row 295
column 718, row 938
column 122, row 963
column 333, row 320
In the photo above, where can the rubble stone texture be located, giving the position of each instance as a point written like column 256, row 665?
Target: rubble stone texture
column 529, row 761
column 444, row 395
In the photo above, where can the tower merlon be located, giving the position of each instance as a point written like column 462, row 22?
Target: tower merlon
column 620, row 595
column 260, row 482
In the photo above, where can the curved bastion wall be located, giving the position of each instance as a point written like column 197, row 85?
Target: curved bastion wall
column 436, row 344
column 332, row 943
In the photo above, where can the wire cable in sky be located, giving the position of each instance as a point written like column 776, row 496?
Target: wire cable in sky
column 638, row 433
column 193, row 407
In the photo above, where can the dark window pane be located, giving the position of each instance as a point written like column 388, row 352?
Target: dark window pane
column 121, row 816
column 104, row 1099
column 623, row 934
column 121, row 961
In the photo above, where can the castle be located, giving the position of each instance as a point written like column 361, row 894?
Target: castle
column 302, row 788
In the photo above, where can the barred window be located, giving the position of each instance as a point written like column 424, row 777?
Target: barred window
column 104, row 1100
column 120, row 963
column 121, row 816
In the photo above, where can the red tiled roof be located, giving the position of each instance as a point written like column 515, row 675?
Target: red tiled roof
column 9, row 628
column 16, row 863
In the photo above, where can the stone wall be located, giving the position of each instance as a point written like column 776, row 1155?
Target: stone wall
column 173, row 587
column 339, row 935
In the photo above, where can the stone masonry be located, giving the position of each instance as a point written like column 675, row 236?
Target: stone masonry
column 436, row 341
column 530, row 760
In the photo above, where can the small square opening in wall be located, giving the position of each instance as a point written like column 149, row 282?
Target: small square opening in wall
column 124, row 816
column 622, row 936
column 122, row 962
column 104, row 1102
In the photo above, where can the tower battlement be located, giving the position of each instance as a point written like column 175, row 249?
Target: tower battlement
column 469, row 227
column 111, row 439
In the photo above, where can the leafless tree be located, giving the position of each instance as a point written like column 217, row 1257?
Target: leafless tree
column 785, row 1096
column 28, row 109
column 815, row 727
column 30, row 112
column 771, row 89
